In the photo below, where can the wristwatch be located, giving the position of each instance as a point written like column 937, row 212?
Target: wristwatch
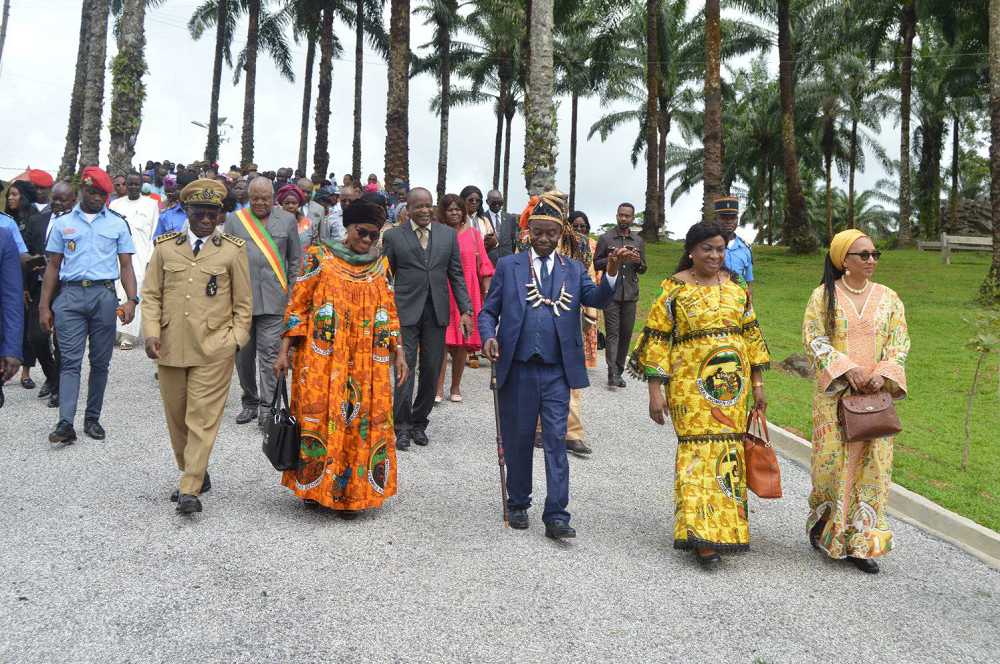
column 134, row 298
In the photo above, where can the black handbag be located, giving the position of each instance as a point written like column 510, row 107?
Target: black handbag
column 282, row 433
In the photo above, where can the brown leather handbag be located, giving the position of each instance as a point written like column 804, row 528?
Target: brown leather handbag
column 763, row 474
column 868, row 416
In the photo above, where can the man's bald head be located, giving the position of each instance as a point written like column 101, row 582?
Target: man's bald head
column 306, row 185
column 494, row 200
column 63, row 198
column 261, row 193
column 419, row 202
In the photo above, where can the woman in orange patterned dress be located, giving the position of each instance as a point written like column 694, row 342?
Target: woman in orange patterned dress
column 341, row 320
column 581, row 224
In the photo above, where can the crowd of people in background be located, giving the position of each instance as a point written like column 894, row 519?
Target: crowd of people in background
column 352, row 296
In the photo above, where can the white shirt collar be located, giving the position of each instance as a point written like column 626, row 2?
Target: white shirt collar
column 192, row 238
column 535, row 258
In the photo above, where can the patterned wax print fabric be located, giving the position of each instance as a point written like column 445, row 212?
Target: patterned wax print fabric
column 476, row 266
column 704, row 342
column 345, row 318
column 590, row 336
column 851, row 480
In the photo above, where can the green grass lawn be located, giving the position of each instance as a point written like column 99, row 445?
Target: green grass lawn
column 939, row 370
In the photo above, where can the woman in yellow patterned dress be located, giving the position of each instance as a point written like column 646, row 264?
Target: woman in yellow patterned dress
column 855, row 334
column 703, row 341
column 341, row 320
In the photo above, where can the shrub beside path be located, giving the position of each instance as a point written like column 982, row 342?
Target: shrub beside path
column 98, row 567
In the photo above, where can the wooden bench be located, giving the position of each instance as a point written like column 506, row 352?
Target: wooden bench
column 962, row 243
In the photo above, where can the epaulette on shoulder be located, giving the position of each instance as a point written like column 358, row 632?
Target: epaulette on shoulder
column 166, row 236
column 235, row 240
column 117, row 214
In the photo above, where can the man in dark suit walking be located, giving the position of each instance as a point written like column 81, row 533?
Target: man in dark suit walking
column 424, row 259
column 505, row 223
column 619, row 317
column 535, row 297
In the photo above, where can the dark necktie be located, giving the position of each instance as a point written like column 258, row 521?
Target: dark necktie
column 197, row 247
column 545, row 277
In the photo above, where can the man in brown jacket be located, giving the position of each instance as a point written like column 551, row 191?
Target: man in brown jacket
column 197, row 305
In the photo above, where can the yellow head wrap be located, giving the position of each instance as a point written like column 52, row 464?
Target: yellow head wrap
column 841, row 244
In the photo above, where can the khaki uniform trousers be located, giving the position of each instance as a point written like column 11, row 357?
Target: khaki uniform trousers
column 194, row 399
column 574, row 425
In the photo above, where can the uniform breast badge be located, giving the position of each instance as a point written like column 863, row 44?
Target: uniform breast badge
column 181, row 239
column 216, row 240
column 212, row 288
column 71, row 245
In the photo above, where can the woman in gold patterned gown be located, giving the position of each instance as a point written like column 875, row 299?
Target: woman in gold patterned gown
column 855, row 334
column 702, row 341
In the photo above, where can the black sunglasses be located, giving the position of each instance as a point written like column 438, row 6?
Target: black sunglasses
column 865, row 255
column 198, row 215
column 362, row 234
column 473, row 199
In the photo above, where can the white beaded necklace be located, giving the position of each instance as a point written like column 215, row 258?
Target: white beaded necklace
column 535, row 297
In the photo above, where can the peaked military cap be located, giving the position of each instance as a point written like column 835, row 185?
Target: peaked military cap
column 727, row 205
column 204, row 192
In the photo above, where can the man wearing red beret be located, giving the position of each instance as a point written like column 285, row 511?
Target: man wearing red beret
column 91, row 248
column 43, row 183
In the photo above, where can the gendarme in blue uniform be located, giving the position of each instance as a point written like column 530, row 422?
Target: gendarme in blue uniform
column 85, row 306
column 739, row 258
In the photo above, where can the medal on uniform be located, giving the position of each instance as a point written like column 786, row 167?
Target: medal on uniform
column 181, row 239
column 71, row 245
column 216, row 240
column 212, row 288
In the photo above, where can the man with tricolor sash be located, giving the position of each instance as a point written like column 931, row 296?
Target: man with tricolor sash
column 274, row 254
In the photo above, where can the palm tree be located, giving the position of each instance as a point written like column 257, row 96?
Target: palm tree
column 797, row 232
column 443, row 16
column 712, row 178
column 541, row 138
column 327, row 41
column 215, row 13
column 306, row 25
column 651, row 222
column 250, row 89
column 93, row 101
column 72, row 149
column 128, row 91
column 991, row 286
column 368, row 21
column 397, row 135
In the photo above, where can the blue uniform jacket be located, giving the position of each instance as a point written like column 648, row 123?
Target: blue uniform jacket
column 505, row 304
column 11, row 297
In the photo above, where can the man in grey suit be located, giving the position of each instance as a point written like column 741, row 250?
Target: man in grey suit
column 506, row 223
column 424, row 258
column 270, row 292
column 311, row 209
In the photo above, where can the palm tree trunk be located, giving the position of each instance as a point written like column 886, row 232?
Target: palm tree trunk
column 212, row 146
column 321, row 152
column 498, row 142
column 93, row 103
column 661, row 165
column 445, row 43
column 3, row 26
column 828, row 166
column 650, row 221
column 508, row 118
column 991, row 286
column 541, row 140
column 770, row 204
column 359, row 70
column 574, row 115
column 712, row 175
column 250, row 89
column 397, row 138
column 954, row 173
column 128, row 92
column 761, row 183
column 798, row 235
column 306, row 103
column 852, row 167
column 72, row 149
column 907, row 31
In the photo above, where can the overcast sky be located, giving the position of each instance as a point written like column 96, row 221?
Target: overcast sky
column 39, row 61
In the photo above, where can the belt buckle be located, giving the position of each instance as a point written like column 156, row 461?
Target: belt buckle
column 86, row 282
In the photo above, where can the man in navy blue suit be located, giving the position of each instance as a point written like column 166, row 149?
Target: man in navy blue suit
column 536, row 298
column 11, row 308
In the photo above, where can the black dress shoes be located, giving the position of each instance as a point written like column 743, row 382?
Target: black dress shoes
column 93, row 429
column 28, row 384
column 558, row 529
column 419, row 437
column 709, row 561
column 63, row 433
column 246, row 415
column 815, row 533
column 866, row 565
column 577, row 447
column 53, row 400
column 619, row 381
column 188, row 504
column 206, row 485
column 403, row 441
column 45, row 391
column 310, row 503
column 518, row 519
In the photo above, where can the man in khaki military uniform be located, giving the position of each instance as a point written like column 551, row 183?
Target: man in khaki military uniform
column 196, row 310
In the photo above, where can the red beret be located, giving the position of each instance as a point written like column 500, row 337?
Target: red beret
column 93, row 176
column 40, row 178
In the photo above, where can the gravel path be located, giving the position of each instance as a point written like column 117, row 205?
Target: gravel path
column 98, row 567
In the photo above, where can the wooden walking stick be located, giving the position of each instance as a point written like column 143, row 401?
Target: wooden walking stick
column 500, row 457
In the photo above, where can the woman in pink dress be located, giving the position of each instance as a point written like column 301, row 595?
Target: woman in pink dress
column 478, row 271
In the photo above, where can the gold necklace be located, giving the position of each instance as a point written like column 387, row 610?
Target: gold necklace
column 718, row 278
column 856, row 291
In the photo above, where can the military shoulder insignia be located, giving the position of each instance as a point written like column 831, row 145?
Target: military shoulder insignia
column 235, row 240
column 216, row 240
column 166, row 236
column 212, row 288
